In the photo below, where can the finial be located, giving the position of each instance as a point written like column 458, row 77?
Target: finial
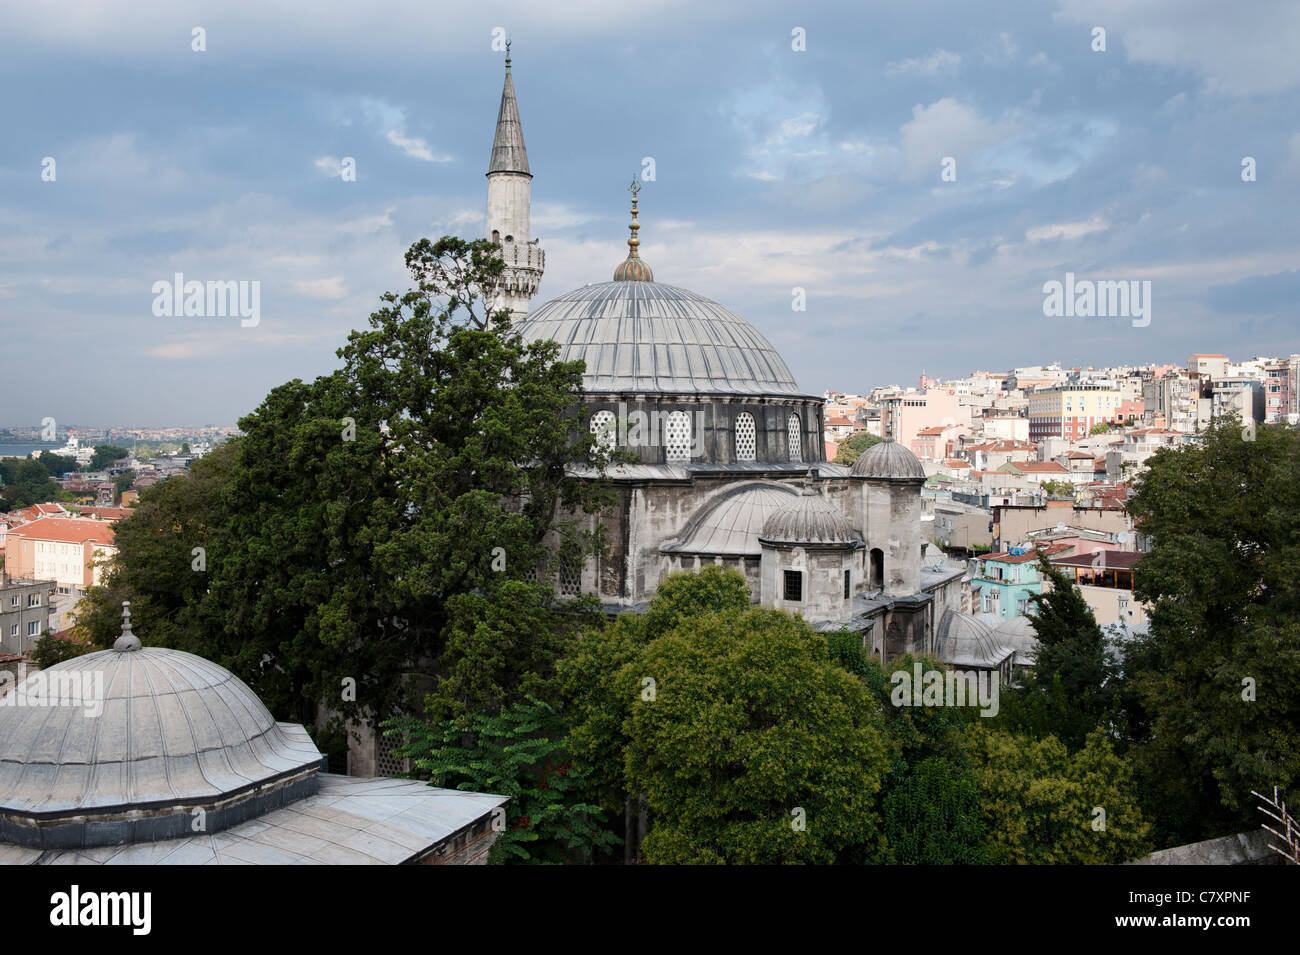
column 507, row 56
column 128, row 640
column 633, row 269
column 808, row 479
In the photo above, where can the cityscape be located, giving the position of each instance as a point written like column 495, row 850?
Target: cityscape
column 504, row 488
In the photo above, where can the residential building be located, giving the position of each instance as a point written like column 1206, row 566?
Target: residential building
column 1105, row 578
column 24, row 612
column 1071, row 410
column 1007, row 580
column 903, row 415
column 66, row 550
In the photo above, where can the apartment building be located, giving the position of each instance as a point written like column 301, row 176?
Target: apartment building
column 66, row 550
column 1071, row 411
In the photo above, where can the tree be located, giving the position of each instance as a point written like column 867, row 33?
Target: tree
column 517, row 752
column 57, row 465
column 1071, row 688
column 850, row 450
column 1057, row 488
column 106, row 454
column 1218, row 674
column 122, row 483
column 755, row 746
column 185, row 447
column 30, row 483
column 1042, row 806
column 373, row 525
column 932, row 817
column 1101, row 427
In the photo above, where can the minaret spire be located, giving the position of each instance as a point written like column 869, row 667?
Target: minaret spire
column 509, row 206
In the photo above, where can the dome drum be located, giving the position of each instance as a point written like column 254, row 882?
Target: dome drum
column 719, row 430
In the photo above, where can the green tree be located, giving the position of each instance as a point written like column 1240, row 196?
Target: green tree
column 1101, row 427
column 1218, row 674
column 122, row 483
column 57, row 465
column 30, row 483
column 518, row 752
column 1039, row 804
column 1057, row 488
column 380, row 513
column 932, row 817
column 106, row 454
column 50, row 650
column 1072, row 687
column 756, row 747
column 850, row 450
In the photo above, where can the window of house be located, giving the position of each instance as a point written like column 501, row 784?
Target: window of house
column 603, row 427
column 677, row 436
column 794, row 585
column 794, row 430
column 13, row 630
column 33, row 600
column 33, row 628
column 746, row 443
column 13, row 601
column 988, row 604
column 847, row 583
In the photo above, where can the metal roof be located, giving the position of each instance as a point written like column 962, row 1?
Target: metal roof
column 508, row 153
column 173, row 728
column 810, row 520
column 888, row 461
column 650, row 337
column 730, row 524
column 350, row 821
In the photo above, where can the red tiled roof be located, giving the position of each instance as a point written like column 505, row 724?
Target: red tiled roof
column 66, row 531
column 1114, row 559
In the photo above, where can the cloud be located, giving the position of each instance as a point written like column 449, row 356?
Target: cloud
column 391, row 120
column 1066, row 230
column 1256, row 294
column 330, row 288
column 1241, row 49
column 944, row 128
column 940, row 61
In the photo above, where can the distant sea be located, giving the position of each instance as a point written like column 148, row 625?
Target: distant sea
column 23, row 450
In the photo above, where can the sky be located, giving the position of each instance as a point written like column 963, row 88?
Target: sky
column 794, row 146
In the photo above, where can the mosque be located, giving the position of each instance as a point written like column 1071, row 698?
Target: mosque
column 730, row 468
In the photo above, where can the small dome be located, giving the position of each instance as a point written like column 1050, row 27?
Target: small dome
column 888, row 461
column 730, row 524
column 965, row 643
column 1019, row 634
column 810, row 520
column 136, row 730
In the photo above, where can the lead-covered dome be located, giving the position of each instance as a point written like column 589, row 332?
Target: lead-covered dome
column 888, row 461
column 651, row 337
column 138, row 737
column 810, row 520
column 730, row 524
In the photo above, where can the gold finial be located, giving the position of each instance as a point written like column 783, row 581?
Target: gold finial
column 633, row 269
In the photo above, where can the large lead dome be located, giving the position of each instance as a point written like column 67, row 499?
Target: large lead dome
column 650, row 337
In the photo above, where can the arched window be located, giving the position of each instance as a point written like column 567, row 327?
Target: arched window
column 677, row 436
column 746, row 450
column 496, row 236
column 795, row 432
column 603, row 427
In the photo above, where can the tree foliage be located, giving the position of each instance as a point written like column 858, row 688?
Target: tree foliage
column 519, row 752
column 106, row 454
column 851, row 449
column 1217, row 696
column 1039, row 804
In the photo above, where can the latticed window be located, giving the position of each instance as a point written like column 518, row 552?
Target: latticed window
column 603, row 427
column 570, row 578
column 677, row 436
column 795, row 431
column 746, row 448
column 389, row 763
column 793, row 585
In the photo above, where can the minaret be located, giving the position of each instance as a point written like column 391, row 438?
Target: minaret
column 510, row 190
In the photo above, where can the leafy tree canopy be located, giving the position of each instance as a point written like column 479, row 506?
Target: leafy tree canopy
column 850, row 450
